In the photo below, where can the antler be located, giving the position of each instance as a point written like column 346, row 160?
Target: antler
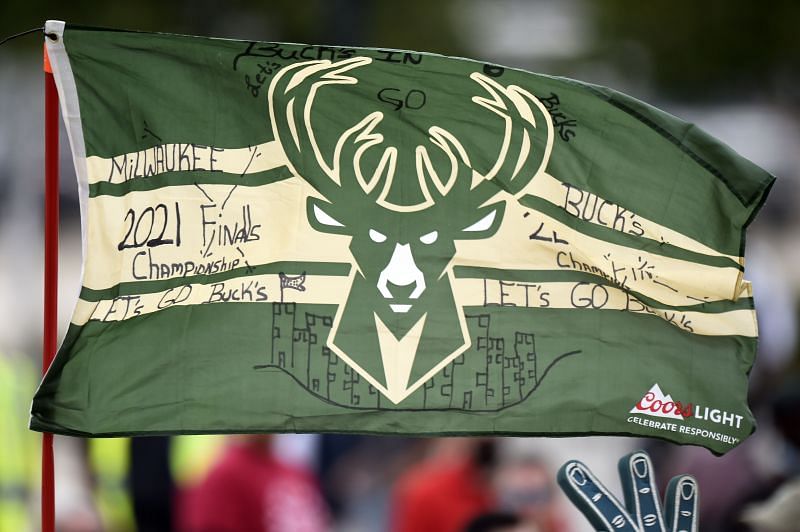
column 291, row 96
column 524, row 152
column 352, row 145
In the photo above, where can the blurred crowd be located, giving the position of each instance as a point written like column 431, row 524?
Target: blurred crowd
column 302, row 483
column 729, row 67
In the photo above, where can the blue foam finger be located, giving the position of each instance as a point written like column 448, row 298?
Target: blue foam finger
column 681, row 504
column 641, row 493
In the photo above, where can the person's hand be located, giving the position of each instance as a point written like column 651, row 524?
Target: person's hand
column 643, row 510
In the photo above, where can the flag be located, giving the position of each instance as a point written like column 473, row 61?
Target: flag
column 282, row 237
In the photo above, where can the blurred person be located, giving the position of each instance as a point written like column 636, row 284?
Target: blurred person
column 76, row 510
column 109, row 463
column 192, row 456
column 358, row 473
column 19, row 448
column 599, row 452
column 135, row 480
column 773, row 503
column 249, row 489
column 340, row 460
column 152, row 487
column 499, row 522
column 785, row 410
column 779, row 513
column 524, row 487
column 301, row 450
column 448, row 489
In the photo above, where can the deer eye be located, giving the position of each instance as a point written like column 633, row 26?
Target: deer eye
column 375, row 236
column 483, row 224
column 429, row 238
column 326, row 219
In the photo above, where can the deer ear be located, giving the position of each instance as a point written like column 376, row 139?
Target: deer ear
column 318, row 217
column 486, row 222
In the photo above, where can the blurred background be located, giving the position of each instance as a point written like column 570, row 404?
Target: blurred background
column 731, row 67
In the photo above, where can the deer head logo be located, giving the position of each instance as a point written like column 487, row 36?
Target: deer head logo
column 401, row 323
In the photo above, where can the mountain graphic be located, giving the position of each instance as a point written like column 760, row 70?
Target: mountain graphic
column 658, row 395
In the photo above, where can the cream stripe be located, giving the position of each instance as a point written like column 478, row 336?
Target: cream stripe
column 186, row 158
column 556, row 246
column 599, row 211
column 469, row 292
column 579, row 295
column 224, row 227
column 269, row 155
column 253, row 289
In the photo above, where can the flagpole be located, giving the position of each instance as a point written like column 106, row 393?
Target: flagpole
column 50, row 336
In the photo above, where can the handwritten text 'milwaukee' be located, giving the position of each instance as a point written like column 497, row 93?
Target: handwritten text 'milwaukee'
column 164, row 158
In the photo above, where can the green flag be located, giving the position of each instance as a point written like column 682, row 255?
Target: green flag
column 279, row 237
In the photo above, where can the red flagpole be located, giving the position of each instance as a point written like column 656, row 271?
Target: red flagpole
column 50, row 337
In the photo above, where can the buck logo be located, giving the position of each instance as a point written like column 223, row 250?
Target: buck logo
column 401, row 322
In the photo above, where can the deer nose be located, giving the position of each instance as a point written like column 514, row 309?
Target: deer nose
column 401, row 271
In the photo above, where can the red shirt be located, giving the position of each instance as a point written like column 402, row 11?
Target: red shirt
column 439, row 498
column 250, row 491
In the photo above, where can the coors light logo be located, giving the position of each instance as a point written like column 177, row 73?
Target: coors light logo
column 655, row 403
